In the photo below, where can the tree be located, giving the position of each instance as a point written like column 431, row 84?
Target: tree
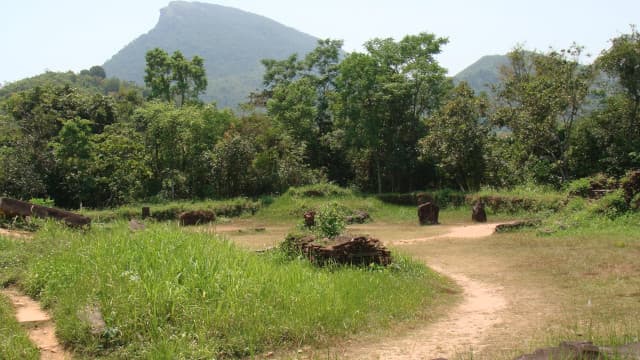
column 456, row 138
column 297, row 94
column 622, row 61
column 158, row 74
column 72, row 149
column 97, row 71
column 381, row 97
column 121, row 166
column 174, row 78
column 539, row 100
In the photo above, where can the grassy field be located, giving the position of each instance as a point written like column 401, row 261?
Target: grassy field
column 167, row 293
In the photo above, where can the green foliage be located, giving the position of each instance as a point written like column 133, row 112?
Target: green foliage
column 14, row 342
column 612, row 204
column 163, row 289
column 443, row 198
column 43, row 202
column 319, row 190
column 381, row 97
column 330, row 220
column 169, row 211
column 622, row 61
column 174, row 78
column 580, row 187
column 527, row 198
column 456, row 138
column 539, row 100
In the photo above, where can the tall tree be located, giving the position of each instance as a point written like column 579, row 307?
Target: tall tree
column 456, row 138
column 174, row 77
column 540, row 99
column 622, row 61
column 381, row 98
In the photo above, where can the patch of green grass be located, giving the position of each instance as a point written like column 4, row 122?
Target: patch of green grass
column 14, row 342
column 167, row 293
column 171, row 210
column 12, row 260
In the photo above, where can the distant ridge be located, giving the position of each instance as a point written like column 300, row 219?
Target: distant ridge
column 483, row 73
column 231, row 41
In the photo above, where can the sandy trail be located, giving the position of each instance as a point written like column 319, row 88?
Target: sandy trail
column 41, row 329
column 464, row 328
column 461, row 231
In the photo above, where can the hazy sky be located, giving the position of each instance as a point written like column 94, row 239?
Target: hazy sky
column 39, row 35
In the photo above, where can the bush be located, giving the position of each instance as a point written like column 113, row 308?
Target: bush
column 579, row 187
column 612, row 204
column 442, row 198
column 319, row 190
column 330, row 220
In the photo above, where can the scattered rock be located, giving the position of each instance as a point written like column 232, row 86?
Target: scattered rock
column 135, row 225
column 359, row 217
column 478, row 213
column 310, row 218
column 197, row 217
column 428, row 213
column 92, row 316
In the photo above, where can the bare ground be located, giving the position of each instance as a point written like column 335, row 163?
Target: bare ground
column 40, row 327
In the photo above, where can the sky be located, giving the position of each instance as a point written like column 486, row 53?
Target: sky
column 62, row 35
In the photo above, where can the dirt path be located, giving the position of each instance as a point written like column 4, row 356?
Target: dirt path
column 41, row 329
column 464, row 328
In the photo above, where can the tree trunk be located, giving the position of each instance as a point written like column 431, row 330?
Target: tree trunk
column 379, row 175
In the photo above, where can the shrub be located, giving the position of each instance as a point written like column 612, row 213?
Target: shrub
column 612, row 204
column 579, row 187
column 48, row 202
column 319, row 190
column 330, row 220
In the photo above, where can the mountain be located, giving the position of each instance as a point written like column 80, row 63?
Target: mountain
column 483, row 73
column 231, row 41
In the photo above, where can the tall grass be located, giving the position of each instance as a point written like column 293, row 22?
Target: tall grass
column 14, row 343
column 165, row 293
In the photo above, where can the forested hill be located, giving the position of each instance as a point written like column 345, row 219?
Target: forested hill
column 483, row 72
column 231, row 41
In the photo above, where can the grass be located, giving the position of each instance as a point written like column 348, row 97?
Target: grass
column 14, row 342
column 166, row 293
column 170, row 210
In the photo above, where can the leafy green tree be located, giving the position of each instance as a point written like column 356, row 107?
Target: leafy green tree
column 622, row 61
column 158, row 74
column 297, row 94
column 121, row 166
column 97, row 71
column 540, row 100
column 231, row 161
column 174, row 77
column 381, row 97
column 456, row 138
column 72, row 149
